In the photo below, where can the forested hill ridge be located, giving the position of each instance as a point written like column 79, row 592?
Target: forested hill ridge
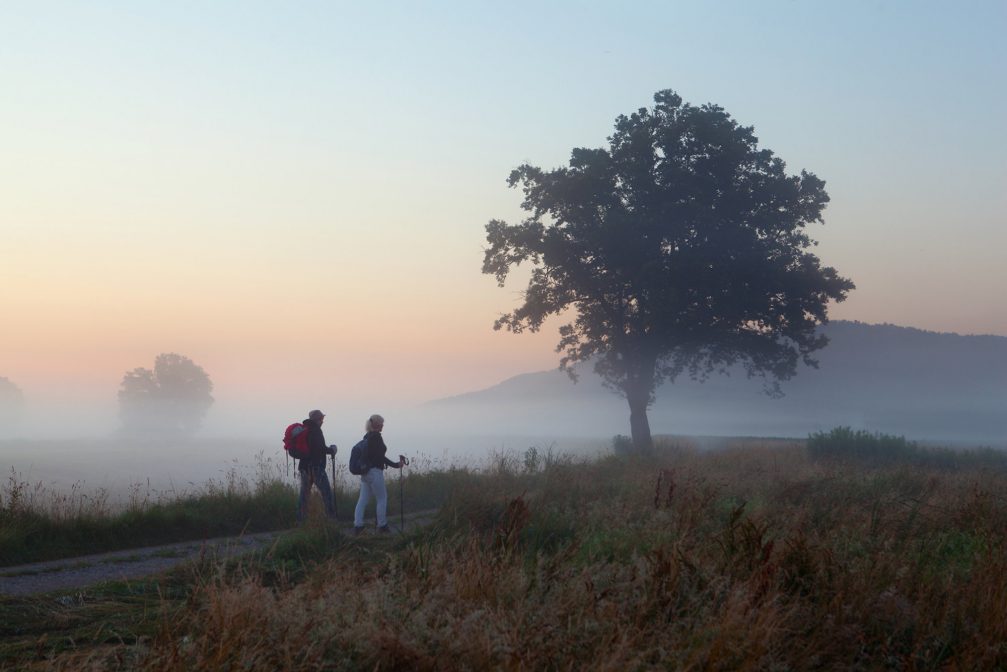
column 880, row 377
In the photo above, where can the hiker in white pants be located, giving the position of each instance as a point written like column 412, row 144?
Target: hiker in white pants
column 373, row 480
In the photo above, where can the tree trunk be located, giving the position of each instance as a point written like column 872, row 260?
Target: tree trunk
column 638, row 387
column 639, row 426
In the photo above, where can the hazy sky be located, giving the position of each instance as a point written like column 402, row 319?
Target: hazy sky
column 294, row 194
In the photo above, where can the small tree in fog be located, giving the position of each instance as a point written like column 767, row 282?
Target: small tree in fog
column 172, row 398
column 11, row 403
column 680, row 248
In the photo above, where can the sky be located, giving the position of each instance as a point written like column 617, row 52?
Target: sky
column 294, row 194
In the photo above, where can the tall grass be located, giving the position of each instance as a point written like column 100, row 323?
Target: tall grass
column 37, row 523
column 752, row 557
column 40, row 523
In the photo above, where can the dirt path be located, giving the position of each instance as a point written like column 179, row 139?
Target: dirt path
column 71, row 573
column 43, row 577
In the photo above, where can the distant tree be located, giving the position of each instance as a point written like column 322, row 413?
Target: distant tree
column 681, row 248
column 172, row 398
column 11, row 403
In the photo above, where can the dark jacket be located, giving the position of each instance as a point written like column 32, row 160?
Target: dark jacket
column 316, row 444
column 376, row 449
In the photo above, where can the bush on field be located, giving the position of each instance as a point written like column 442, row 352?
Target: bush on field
column 844, row 443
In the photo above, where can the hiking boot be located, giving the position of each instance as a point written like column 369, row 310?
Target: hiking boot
column 357, row 531
column 384, row 529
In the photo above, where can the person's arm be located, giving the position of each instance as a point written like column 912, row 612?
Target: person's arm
column 384, row 456
column 378, row 452
column 326, row 450
column 316, row 443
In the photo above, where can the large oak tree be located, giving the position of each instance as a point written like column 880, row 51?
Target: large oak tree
column 681, row 248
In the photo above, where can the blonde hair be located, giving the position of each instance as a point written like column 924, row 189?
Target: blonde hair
column 374, row 421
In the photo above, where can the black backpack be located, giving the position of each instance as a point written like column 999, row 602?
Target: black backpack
column 358, row 458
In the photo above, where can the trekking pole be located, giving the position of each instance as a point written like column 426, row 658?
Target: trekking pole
column 402, row 515
column 335, row 511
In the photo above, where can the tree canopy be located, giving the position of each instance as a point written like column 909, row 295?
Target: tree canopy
column 172, row 398
column 680, row 248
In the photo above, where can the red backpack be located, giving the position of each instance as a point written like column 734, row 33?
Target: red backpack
column 295, row 441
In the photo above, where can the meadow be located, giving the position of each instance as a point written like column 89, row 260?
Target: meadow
column 845, row 551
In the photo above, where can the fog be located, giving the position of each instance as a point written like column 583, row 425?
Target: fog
column 168, row 468
column 930, row 387
column 926, row 386
column 79, row 445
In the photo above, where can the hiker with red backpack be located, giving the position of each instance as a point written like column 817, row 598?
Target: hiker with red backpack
column 311, row 456
column 368, row 460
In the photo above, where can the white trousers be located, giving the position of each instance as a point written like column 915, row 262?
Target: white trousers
column 373, row 482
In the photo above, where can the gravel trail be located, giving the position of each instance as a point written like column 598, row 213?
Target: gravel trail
column 136, row 563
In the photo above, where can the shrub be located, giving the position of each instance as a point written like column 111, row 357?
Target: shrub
column 622, row 445
column 844, row 443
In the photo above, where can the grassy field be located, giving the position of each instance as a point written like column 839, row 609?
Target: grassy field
column 762, row 555
column 39, row 523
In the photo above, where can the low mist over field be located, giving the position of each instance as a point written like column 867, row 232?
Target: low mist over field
column 938, row 388
column 882, row 378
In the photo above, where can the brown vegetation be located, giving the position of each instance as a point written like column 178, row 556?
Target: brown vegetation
column 752, row 557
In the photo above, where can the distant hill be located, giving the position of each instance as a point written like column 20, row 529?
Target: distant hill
column 924, row 385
